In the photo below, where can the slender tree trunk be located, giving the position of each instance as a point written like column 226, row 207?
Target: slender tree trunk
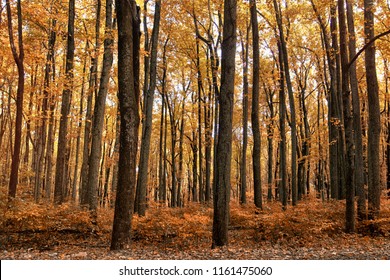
column 283, row 193
column 245, row 100
column 224, row 147
column 357, row 126
column 270, row 140
column 100, row 104
column 42, row 140
column 348, row 125
column 63, row 146
column 128, row 20
column 114, row 183
column 255, row 109
column 19, row 60
column 84, row 194
column 147, row 121
column 374, row 125
column 294, row 145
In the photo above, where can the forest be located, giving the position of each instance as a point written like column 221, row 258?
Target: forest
column 224, row 129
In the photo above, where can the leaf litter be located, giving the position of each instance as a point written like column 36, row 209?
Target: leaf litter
column 311, row 230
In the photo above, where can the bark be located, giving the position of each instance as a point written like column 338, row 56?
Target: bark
column 42, row 140
column 19, row 60
column 148, row 116
column 284, row 53
column 374, row 125
column 99, row 110
column 63, row 148
column 348, row 124
column 79, row 128
column 270, row 143
column 245, row 101
column 357, row 126
column 283, row 193
column 224, row 147
column 161, row 170
column 127, row 17
column 255, row 109
column 84, row 194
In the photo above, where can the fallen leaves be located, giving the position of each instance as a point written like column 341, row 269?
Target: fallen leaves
column 311, row 230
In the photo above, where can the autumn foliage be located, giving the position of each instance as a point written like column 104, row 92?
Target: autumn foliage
column 312, row 230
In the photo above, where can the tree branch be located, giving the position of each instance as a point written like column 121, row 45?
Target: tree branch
column 366, row 46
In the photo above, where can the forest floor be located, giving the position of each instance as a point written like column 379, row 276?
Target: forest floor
column 311, row 230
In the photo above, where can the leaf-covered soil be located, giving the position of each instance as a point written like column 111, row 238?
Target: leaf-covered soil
column 311, row 230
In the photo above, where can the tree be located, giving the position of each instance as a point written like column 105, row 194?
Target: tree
column 221, row 182
column 63, row 149
column 128, row 29
column 283, row 50
column 255, row 107
column 100, row 104
column 347, row 124
column 357, row 126
column 19, row 60
column 148, row 116
column 374, row 124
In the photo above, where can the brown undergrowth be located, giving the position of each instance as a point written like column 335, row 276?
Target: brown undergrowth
column 26, row 226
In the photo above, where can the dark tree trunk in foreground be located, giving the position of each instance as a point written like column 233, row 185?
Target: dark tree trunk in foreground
column 128, row 21
column 224, row 147
column 255, row 108
column 63, row 149
column 374, row 125
column 19, row 60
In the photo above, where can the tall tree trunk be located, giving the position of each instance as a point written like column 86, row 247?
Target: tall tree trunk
column 357, row 126
column 128, row 20
column 255, row 108
column 63, row 145
column 374, row 125
column 294, row 146
column 42, row 141
column 100, row 104
column 224, row 146
column 114, row 182
column 78, row 141
column 245, row 101
column 348, row 125
column 270, row 144
column 148, row 116
column 283, row 193
column 19, row 60
column 92, row 92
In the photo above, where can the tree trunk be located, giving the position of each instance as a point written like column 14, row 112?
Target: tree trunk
column 128, row 21
column 283, row 46
column 224, row 146
column 84, row 194
column 19, row 60
column 245, row 101
column 148, row 116
column 63, row 147
column 100, row 104
column 357, row 126
column 255, row 109
column 374, row 125
column 348, row 125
